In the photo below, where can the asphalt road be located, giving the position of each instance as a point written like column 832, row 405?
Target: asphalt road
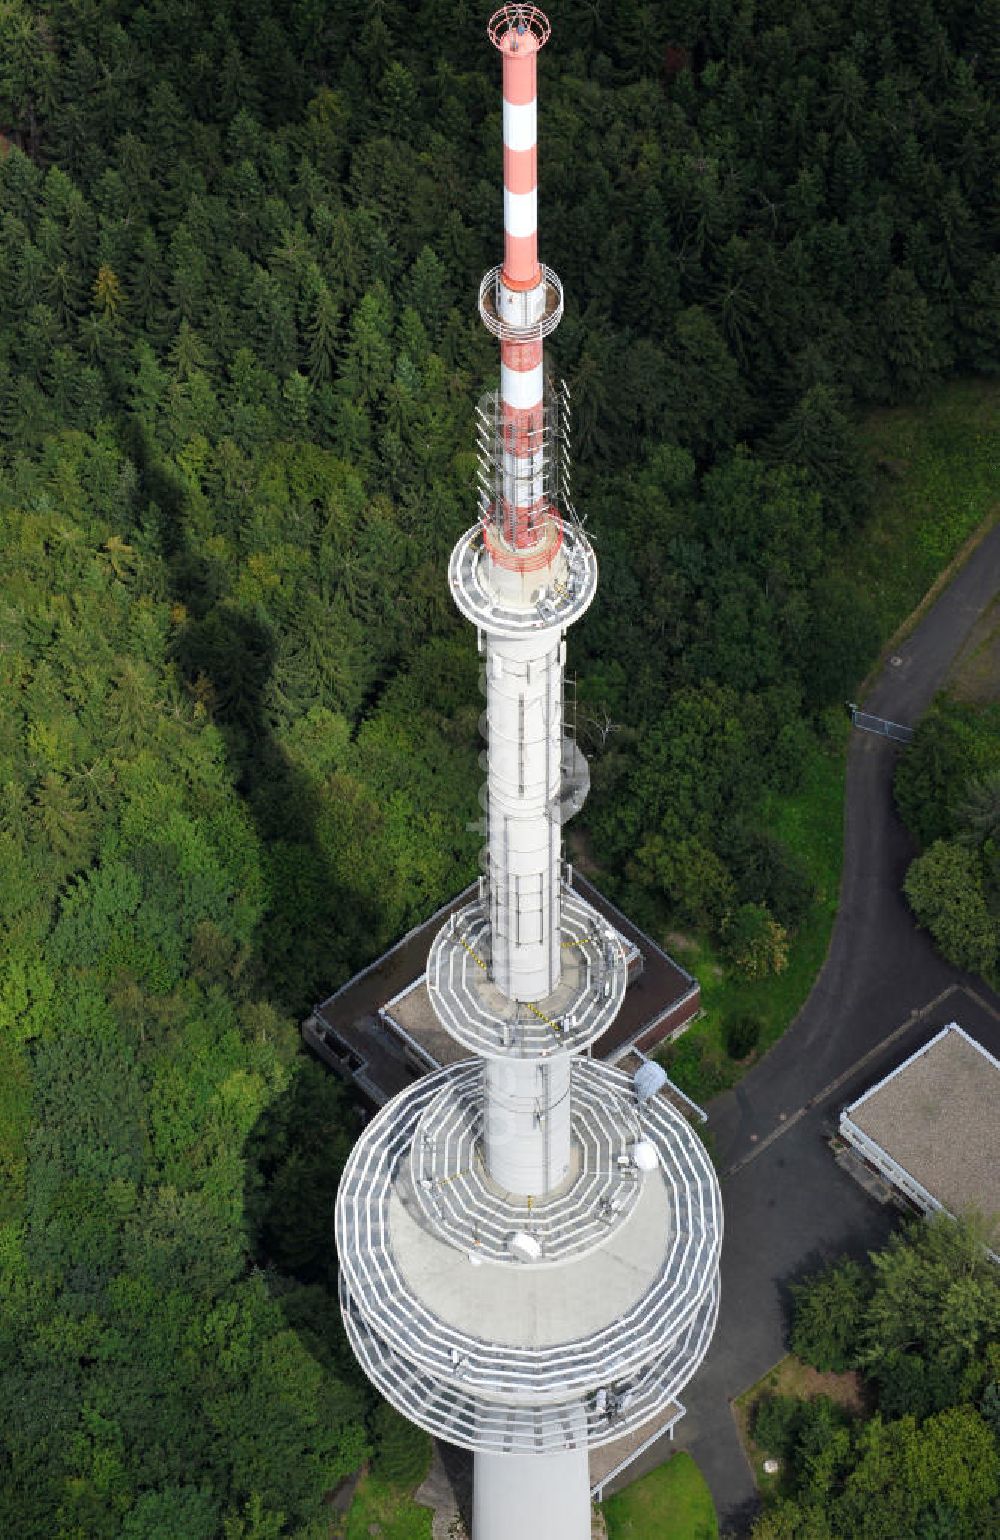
column 880, row 966
column 882, row 992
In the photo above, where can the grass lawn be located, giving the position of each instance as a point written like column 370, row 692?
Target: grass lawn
column 381, row 1508
column 671, row 1503
column 791, row 1377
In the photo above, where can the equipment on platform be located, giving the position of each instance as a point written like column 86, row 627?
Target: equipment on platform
column 649, row 1079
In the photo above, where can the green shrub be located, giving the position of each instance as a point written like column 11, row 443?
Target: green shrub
column 947, row 893
column 828, row 1313
column 989, row 1408
column 742, row 1034
column 402, row 1452
column 920, row 1386
column 754, row 942
column 767, row 872
column 776, row 1423
column 956, row 748
column 819, row 1417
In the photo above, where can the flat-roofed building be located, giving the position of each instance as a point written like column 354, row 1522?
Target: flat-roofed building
column 931, row 1128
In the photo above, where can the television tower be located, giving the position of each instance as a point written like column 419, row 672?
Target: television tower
column 529, row 1239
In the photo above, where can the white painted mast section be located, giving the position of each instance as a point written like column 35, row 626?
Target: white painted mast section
column 524, row 719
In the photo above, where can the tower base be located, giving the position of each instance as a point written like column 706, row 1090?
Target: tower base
column 522, row 1495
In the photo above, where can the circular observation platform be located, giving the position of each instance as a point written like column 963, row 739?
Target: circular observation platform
column 534, row 330
column 449, row 1411
column 556, row 603
column 462, row 1203
column 530, row 1336
column 476, row 1014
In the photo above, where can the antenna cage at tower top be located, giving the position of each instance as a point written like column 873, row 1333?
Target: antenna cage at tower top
column 546, row 448
column 518, row 18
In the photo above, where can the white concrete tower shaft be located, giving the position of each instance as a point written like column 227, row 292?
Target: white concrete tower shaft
column 527, row 1113
column 524, row 686
column 524, row 674
column 520, row 1496
column 514, row 1278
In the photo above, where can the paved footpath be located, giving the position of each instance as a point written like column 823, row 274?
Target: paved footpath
column 881, row 992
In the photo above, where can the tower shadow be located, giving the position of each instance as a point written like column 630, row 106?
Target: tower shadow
column 314, row 920
column 458, row 1466
column 225, row 658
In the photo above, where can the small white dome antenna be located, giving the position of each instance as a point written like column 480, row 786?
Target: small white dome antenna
column 524, row 1246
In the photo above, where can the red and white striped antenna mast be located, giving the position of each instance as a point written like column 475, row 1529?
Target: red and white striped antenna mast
column 519, row 32
column 521, row 303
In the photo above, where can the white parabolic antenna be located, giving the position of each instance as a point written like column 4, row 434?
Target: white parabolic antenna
column 649, row 1078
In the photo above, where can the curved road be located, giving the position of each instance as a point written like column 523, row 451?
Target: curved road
column 882, row 990
column 879, row 966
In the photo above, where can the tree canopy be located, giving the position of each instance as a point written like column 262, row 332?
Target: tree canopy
column 947, row 788
column 920, row 1324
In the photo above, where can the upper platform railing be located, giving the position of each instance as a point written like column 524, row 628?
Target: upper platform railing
column 518, row 19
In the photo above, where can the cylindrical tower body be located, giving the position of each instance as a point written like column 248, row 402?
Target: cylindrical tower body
column 526, row 1133
column 532, row 1495
column 526, row 1142
column 529, row 1247
column 524, row 682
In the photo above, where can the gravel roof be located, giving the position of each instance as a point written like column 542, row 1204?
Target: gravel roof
column 938, row 1116
column 396, row 983
column 415, row 1014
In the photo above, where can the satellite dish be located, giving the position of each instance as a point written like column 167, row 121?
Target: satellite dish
column 649, row 1078
column 524, row 1246
column 645, row 1156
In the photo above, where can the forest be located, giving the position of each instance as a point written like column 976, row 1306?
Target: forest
column 239, row 356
